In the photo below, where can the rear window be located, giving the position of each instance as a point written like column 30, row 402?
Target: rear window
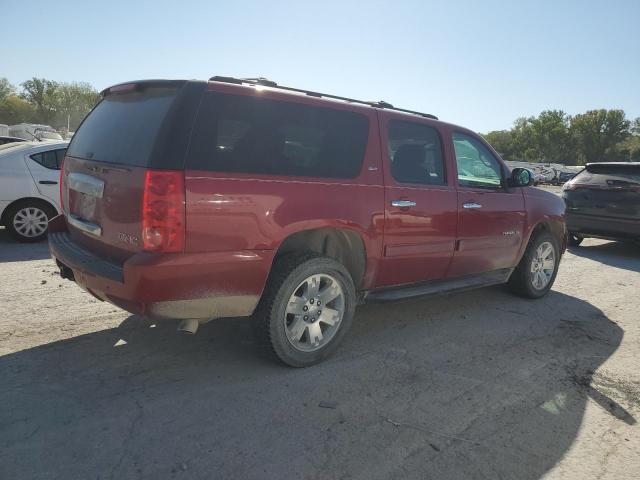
column 123, row 128
column 609, row 175
column 251, row 135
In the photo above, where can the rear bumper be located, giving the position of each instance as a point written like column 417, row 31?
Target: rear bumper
column 605, row 227
column 201, row 286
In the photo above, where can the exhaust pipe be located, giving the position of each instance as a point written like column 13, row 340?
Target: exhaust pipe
column 189, row 325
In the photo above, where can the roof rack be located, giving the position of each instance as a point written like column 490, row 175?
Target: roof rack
column 265, row 82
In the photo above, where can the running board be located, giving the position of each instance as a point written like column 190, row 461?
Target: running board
column 437, row 287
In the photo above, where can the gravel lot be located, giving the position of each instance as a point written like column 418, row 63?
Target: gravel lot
column 472, row 385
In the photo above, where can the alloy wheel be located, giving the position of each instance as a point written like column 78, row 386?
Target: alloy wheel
column 314, row 312
column 543, row 265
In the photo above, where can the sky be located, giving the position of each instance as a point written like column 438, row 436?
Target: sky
column 480, row 64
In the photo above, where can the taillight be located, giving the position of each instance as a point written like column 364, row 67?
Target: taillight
column 163, row 205
column 60, row 184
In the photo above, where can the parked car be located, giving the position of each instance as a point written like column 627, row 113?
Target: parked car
column 34, row 131
column 5, row 139
column 29, row 190
column 603, row 201
column 564, row 177
column 199, row 200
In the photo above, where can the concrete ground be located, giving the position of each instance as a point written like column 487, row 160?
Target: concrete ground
column 473, row 385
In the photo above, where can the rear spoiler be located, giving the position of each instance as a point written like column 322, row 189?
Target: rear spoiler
column 139, row 85
column 612, row 167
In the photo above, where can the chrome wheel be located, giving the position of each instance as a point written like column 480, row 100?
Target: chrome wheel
column 543, row 264
column 314, row 312
column 30, row 222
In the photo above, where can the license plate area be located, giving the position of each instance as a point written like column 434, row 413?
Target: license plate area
column 84, row 193
column 83, row 205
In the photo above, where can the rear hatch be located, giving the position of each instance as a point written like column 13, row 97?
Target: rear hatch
column 605, row 190
column 137, row 127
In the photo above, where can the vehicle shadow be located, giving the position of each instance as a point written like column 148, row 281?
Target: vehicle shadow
column 479, row 385
column 13, row 251
column 623, row 255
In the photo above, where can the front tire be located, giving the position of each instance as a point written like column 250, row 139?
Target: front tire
column 306, row 309
column 27, row 220
column 537, row 270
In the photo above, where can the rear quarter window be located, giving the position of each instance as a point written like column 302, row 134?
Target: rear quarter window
column 250, row 135
column 51, row 159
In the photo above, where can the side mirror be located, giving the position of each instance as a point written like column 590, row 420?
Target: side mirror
column 521, row 177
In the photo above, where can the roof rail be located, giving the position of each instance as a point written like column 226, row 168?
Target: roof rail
column 265, row 82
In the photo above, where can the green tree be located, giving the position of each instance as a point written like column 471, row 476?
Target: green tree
column 551, row 137
column 6, row 88
column 74, row 101
column 598, row 132
column 502, row 142
column 524, row 143
column 43, row 94
column 14, row 109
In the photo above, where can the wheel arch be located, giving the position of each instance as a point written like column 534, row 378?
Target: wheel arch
column 555, row 228
column 3, row 216
column 342, row 244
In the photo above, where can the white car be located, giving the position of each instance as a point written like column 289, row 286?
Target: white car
column 29, row 190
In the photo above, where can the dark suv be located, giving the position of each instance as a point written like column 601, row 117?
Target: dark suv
column 603, row 201
column 199, row 200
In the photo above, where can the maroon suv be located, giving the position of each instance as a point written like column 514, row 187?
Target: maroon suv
column 198, row 200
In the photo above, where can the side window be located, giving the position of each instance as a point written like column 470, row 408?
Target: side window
column 477, row 167
column 252, row 135
column 51, row 159
column 415, row 153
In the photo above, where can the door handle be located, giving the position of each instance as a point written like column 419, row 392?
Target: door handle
column 47, row 182
column 403, row 203
column 471, row 205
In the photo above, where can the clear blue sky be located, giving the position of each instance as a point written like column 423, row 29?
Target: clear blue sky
column 476, row 63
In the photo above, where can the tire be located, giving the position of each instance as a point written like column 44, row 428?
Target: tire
column 280, row 318
column 527, row 283
column 575, row 240
column 24, row 220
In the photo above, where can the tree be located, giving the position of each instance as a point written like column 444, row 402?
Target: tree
column 502, row 142
column 74, row 101
column 14, row 109
column 551, row 137
column 597, row 132
column 43, row 94
column 6, row 88
column 524, row 143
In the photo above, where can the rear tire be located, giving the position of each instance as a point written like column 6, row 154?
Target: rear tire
column 27, row 220
column 288, row 321
column 575, row 240
column 537, row 270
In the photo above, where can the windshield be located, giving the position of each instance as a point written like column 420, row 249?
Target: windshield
column 48, row 135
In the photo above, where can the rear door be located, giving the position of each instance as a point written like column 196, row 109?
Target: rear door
column 491, row 218
column 420, row 202
column 136, row 127
column 44, row 167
